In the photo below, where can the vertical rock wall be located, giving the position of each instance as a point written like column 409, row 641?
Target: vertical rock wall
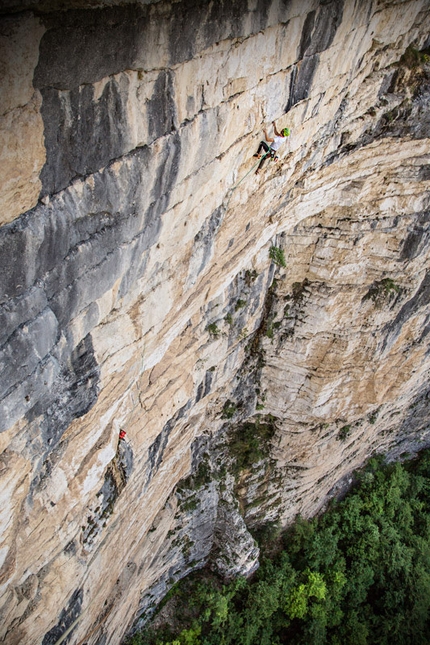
column 138, row 292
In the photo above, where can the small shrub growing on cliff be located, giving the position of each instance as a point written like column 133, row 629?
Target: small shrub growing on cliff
column 240, row 304
column 413, row 58
column 250, row 276
column 382, row 291
column 299, row 290
column 228, row 410
column 277, row 256
column 213, row 330
column 344, row 432
column 250, row 442
column 357, row 575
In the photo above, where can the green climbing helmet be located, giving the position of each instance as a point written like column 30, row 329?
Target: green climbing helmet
column 285, row 132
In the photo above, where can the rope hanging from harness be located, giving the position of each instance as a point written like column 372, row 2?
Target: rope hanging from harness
column 266, row 154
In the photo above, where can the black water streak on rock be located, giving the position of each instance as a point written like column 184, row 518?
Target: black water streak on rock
column 205, row 239
column 161, row 107
column 82, row 134
column 325, row 26
column 420, row 299
column 260, row 16
column 75, row 393
column 418, row 237
column 165, row 180
column 68, row 615
column 183, row 30
column 156, row 450
column 167, row 173
column 199, row 393
column 205, row 386
column 25, row 348
column 84, row 46
column 70, row 253
column 301, row 80
column 200, row 24
column 388, row 83
column 209, row 378
column 319, row 30
column 306, row 36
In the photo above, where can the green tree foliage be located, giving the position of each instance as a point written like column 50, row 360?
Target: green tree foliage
column 357, row 575
column 277, row 256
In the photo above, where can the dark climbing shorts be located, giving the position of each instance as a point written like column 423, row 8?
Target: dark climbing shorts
column 263, row 146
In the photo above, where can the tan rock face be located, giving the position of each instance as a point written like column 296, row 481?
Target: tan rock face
column 22, row 152
column 141, row 296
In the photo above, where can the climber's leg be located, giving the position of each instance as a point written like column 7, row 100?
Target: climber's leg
column 263, row 161
column 263, row 146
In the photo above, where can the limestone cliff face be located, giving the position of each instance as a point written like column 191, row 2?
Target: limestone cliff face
column 138, row 292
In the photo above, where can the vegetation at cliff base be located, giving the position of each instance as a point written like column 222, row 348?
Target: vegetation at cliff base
column 357, row 575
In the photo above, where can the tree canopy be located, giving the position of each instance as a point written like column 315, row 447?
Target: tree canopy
column 357, row 575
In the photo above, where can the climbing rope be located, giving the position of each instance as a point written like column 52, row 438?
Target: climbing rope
column 245, row 176
column 69, row 629
column 96, row 627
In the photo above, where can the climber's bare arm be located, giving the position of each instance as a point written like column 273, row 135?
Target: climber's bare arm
column 268, row 139
column 278, row 134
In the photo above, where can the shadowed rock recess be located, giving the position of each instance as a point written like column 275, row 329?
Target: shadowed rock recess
column 256, row 345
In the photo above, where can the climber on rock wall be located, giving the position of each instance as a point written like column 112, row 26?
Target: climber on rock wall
column 275, row 144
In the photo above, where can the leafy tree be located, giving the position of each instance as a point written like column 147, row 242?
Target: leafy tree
column 357, row 575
